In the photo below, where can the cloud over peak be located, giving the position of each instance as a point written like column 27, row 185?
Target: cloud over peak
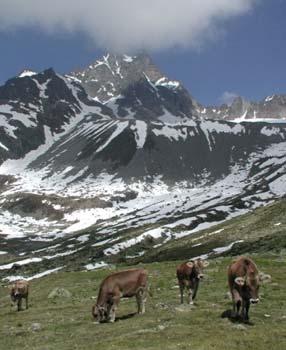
column 127, row 25
column 228, row 97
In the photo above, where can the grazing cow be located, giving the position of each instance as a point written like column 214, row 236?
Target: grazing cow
column 19, row 290
column 124, row 284
column 189, row 275
column 244, row 280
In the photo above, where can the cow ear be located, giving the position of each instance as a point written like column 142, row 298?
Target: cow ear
column 240, row 281
column 205, row 263
column 11, row 286
column 264, row 278
column 94, row 311
column 190, row 264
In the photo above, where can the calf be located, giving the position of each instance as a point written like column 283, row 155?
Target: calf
column 19, row 290
column 189, row 275
column 127, row 284
column 244, row 280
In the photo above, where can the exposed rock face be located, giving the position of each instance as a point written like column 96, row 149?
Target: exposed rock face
column 192, row 151
column 113, row 74
column 135, row 88
column 272, row 107
column 36, row 107
column 130, row 135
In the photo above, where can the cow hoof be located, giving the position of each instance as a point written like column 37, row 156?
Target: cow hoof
column 249, row 323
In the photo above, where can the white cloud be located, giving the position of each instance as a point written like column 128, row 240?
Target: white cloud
column 228, row 97
column 126, row 25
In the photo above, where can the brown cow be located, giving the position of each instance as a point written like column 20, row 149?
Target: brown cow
column 189, row 275
column 124, row 284
column 244, row 280
column 19, row 290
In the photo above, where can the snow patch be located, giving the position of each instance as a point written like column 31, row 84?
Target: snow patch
column 95, row 266
column 27, row 73
column 140, row 130
column 38, row 275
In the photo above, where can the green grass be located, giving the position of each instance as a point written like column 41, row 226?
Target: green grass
column 258, row 229
column 66, row 323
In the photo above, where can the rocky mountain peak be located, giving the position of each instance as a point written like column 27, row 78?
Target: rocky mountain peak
column 109, row 76
column 270, row 108
column 134, row 87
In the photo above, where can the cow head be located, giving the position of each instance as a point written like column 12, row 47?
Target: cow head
column 199, row 265
column 14, row 293
column 99, row 312
column 249, row 286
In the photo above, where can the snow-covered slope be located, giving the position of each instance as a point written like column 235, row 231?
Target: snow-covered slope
column 102, row 168
column 81, row 181
column 91, row 221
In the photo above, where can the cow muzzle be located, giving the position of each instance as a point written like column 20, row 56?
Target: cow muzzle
column 200, row 276
column 254, row 301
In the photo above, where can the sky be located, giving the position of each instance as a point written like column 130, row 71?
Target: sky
column 217, row 48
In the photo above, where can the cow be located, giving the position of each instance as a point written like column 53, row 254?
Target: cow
column 19, row 290
column 123, row 284
column 189, row 275
column 244, row 281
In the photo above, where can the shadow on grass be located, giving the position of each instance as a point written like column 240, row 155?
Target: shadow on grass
column 234, row 318
column 120, row 318
column 125, row 317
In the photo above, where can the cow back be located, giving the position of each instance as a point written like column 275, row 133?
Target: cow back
column 185, row 270
column 126, row 282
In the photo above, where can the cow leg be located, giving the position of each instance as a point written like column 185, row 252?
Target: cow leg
column 234, row 307
column 242, row 309
column 141, row 300
column 113, row 308
column 190, row 294
column 238, row 306
column 182, row 293
column 144, row 298
column 27, row 303
column 195, row 290
column 246, row 305
column 19, row 304
column 143, row 306
column 109, row 311
column 236, row 299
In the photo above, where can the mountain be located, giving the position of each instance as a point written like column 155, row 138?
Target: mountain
column 133, row 87
column 269, row 109
column 36, row 107
column 79, row 181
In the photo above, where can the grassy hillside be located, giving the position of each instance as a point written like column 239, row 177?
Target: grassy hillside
column 262, row 230
column 66, row 322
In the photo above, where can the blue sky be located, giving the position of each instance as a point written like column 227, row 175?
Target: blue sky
column 248, row 58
